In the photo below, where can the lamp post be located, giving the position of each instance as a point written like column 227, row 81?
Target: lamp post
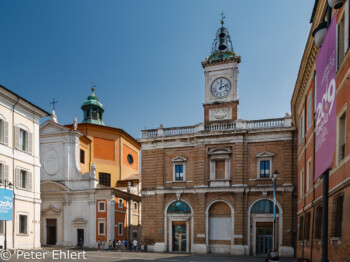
column 9, row 184
column 274, row 178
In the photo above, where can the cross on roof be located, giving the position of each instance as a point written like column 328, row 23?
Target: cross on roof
column 53, row 103
column 93, row 86
column 222, row 17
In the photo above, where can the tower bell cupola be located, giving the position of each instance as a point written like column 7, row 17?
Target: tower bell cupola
column 93, row 110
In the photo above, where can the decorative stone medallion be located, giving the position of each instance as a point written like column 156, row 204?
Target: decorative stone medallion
column 220, row 114
column 51, row 161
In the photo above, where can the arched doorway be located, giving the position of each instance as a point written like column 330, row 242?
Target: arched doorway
column 261, row 233
column 178, row 216
column 220, row 227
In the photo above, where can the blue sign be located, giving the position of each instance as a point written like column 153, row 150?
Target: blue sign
column 6, row 203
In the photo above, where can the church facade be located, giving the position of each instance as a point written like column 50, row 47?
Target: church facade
column 208, row 188
column 89, row 181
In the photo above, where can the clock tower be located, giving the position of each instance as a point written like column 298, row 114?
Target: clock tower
column 221, row 79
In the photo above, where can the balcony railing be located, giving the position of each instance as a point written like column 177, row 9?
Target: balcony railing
column 218, row 127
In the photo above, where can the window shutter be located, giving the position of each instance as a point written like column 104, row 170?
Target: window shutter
column 29, row 148
column 18, row 177
column 29, row 181
column 6, row 172
column 6, row 132
column 17, row 137
column 346, row 27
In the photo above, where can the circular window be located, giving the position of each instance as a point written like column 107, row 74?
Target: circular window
column 130, row 159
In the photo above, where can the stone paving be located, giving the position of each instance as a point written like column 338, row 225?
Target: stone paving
column 49, row 254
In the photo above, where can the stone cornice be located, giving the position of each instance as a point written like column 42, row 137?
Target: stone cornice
column 208, row 62
column 307, row 62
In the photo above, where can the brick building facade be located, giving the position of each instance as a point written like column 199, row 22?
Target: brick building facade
column 208, row 187
column 304, row 115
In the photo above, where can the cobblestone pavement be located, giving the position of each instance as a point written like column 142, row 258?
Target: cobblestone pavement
column 102, row 256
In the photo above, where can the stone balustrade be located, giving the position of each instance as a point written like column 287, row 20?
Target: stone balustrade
column 239, row 124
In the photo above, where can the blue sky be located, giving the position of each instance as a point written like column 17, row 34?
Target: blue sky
column 145, row 56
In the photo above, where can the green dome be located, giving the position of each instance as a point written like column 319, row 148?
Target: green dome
column 93, row 110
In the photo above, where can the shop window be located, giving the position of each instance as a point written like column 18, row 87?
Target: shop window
column 301, row 228
column 307, row 226
column 337, row 216
column 318, row 222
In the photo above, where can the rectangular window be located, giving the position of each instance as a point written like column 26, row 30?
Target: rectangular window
column 23, row 183
column 135, row 234
column 309, row 110
column 120, row 229
column 23, row 140
column 82, row 156
column 120, row 203
column 101, row 228
column 220, row 169
column 179, row 171
column 341, row 48
column 301, row 228
column 337, row 216
column 1, row 172
column 309, row 176
column 135, row 206
column 302, row 127
column 307, row 225
column 94, row 115
column 101, row 206
column 2, row 226
column 301, row 187
column 23, row 224
column 105, row 179
column 342, row 137
column 318, row 222
column 265, row 169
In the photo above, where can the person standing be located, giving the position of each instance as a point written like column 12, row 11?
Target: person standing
column 103, row 245
column 98, row 244
column 135, row 243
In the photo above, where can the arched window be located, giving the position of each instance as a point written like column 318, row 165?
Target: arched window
column 264, row 206
column 179, row 207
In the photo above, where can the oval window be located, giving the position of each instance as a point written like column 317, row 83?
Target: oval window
column 130, row 159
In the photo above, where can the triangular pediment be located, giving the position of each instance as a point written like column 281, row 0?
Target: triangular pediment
column 50, row 127
column 179, row 159
column 79, row 220
column 51, row 210
column 52, row 187
column 265, row 154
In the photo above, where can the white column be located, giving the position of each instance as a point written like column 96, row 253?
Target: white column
column 110, row 219
column 67, row 218
column 91, row 226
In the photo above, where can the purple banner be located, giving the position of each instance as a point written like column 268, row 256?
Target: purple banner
column 326, row 72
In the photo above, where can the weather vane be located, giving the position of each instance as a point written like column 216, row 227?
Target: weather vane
column 53, row 103
column 93, row 86
column 222, row 18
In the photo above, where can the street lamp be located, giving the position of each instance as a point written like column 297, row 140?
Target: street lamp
column 9, row 184
column 274, row 178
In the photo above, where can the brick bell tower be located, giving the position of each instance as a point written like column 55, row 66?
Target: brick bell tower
column 221, row 79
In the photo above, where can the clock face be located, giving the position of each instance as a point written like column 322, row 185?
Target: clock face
column 221, row 87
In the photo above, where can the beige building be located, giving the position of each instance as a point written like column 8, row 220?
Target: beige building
column 208, row 188
column 20, row 165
